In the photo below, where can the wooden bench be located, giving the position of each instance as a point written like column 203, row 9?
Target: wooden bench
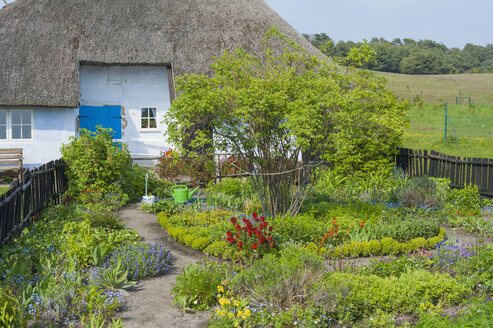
column 11, row 160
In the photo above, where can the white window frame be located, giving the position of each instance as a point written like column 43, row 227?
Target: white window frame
column 9, row 137
column 140, row 119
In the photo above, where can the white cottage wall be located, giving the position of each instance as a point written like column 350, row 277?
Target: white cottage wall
column 131, row 87
column 51, row 127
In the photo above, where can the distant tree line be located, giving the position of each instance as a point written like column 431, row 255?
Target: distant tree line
column 408, row 56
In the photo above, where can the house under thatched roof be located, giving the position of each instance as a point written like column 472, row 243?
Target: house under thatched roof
column 43, row 42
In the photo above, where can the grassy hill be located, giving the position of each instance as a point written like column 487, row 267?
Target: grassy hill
column 438, row 89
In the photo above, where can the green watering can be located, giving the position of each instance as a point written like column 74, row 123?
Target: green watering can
column 181, row 193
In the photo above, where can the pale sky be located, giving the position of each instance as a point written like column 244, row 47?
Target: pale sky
column 451, row 22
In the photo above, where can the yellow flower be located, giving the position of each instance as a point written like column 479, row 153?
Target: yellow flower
column 220, row 289
column 231, row 315
column 240, row 313
column 248, row 313
column 237, row 324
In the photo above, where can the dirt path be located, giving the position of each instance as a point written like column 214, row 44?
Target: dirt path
column 149, row 301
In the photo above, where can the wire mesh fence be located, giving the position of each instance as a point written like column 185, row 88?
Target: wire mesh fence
column 468, row 121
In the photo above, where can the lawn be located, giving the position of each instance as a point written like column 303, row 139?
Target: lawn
column 473, row 126
column 438, row 89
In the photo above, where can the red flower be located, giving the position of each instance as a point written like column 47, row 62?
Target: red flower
column 270, row 228
column 229, row 233
column 238, row 227
column 271, row 245
column 240, row 243
column 254, row 246
column 233, row 220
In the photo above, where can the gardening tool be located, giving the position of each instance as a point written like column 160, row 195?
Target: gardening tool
column 181, row 193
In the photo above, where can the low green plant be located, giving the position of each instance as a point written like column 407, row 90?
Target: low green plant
column 115, row 277
column 163, row 205
column 466, row 200
column 196, row 287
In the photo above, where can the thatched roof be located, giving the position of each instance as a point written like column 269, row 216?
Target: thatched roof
column 43, row 42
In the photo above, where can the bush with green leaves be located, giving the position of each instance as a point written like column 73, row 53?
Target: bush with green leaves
column 465, row 200
column 164, row 205
column 96, row 163
column 418, row 191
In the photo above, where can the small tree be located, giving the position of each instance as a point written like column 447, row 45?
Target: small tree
column 286, row 113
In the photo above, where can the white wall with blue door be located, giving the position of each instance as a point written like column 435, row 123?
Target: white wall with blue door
column 144, row 96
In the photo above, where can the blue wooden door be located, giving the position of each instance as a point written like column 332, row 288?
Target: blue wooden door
column 106, row 116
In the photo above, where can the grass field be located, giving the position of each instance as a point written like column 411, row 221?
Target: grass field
column 438, row 89
column 3, row 190
column 473, row 126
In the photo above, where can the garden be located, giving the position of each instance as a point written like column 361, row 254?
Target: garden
column 319, row 229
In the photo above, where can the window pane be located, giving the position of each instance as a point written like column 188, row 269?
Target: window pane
column 145, row 112
column 152, row 112
column 26, row 132
column 3, row 132
column 144, row 124
column 26, row 117
column 16, row 117
column 3, row 117
column 16, row 131
column 152, row 123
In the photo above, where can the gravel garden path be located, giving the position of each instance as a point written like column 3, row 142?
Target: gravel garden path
column 149, row 301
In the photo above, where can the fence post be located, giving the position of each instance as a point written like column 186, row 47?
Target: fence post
column 446, row 118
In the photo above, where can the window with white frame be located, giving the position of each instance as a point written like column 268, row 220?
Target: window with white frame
column 148, row 118
column 16, row 124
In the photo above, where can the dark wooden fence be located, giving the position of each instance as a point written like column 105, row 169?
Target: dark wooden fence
column 22, row 204
column 461, row 171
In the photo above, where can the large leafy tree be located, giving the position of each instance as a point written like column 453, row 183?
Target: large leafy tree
column 285, row 113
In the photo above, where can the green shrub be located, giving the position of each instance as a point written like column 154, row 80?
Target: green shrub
column 108, row 220
column 416, row 192
column 196, row 287
column 406, row 229
column 241, row 188
column 96, row 162
column 300, row 228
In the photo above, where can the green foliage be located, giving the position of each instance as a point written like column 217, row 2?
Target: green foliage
column 196, row 287
column 465, row 200
column 395, row 267
column 281, row 279
column 95, row 162
column 479, row 314
column 408, row 228
column 270, row 108
column 135, row 184
column 366, row 294
column 164, row 205
column 417, row 191
column 300, row 228
column 411, row 57
column 10, row 310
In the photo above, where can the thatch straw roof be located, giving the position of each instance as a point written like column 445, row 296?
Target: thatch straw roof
column 43, row 42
